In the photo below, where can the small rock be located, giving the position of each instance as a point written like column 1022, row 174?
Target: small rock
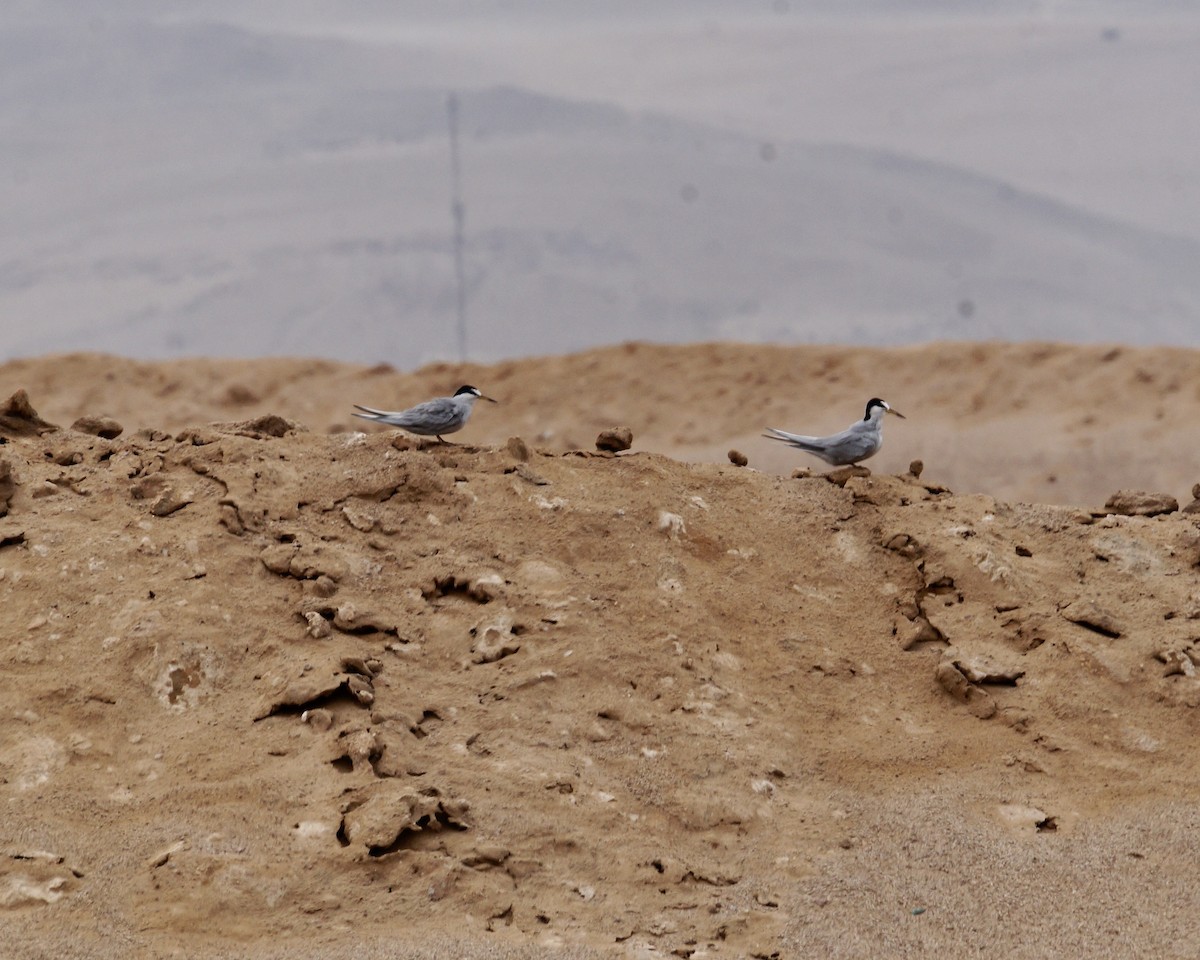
column 1136, row 503
column 386, row 810
column 298, row 693
column 277, row 558
column 349, row 619
column 517, row 448
column 318, row 719
column 323, row 586
column 359, row 746
column 304, row 563
column 982, row 668
column 318, row 626
column 44, row 489
column 169, row 502
column 839, row 475
column 904, row 544
column 915, row 468
column 1194, row 506
column 738, row 459
column 360, row 688
column 494, row 642
column 919, row 631
column 1024, row 818
column 1086, row 613
column 952, row 680
column 359, row 518
column 165, row 854
column 486, row 586
column 364, row 667
column 615, row 440
column 105, row 427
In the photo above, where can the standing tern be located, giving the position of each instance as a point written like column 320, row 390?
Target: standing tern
column 431, row 418
column 858, row 441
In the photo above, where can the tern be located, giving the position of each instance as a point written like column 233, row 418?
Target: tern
column 431, row 418
column 858, row 441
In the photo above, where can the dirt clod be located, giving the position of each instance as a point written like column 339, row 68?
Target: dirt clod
column 615, row 440
column 105, row 427
column 1136, row 503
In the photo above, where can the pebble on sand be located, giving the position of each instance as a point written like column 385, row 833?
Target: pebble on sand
column 839, row 475
column 738, row 459
column 955, row 683
column 1137, row 503
column 518, row 449
column 615, row 440
column 171, row 501
column 105, row 427
column 1088, row 614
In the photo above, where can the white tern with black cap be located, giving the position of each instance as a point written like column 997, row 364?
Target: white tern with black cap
column 431, row 418
column 858, row 441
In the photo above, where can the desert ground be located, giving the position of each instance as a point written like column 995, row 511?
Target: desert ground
column 275, row 686
column 216, row 178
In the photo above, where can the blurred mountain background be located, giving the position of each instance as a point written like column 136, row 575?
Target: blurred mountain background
column 230, row 179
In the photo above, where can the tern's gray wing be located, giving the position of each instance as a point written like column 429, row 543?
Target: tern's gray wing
column 795, row 439
column 433, row 417
column 850, row 446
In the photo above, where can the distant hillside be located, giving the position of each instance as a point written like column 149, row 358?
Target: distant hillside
column 203, row 189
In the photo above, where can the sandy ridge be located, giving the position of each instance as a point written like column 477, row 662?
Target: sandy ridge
column 276, row 690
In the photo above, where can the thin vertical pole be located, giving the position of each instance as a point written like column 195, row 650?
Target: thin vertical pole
column 459, row 213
